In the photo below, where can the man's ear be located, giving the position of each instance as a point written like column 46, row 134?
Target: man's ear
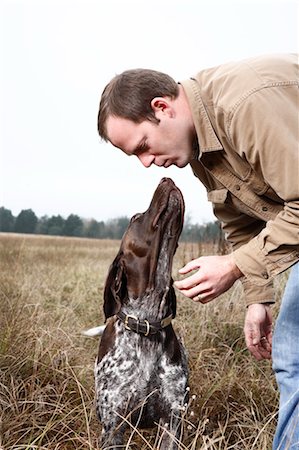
column 115, row 288
column 162, row 105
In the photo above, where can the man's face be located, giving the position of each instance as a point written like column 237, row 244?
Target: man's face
column 164, row 144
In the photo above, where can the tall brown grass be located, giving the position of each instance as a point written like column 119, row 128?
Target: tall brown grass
column 51, row 289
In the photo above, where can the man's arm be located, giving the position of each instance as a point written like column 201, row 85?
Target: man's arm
column 269, row 143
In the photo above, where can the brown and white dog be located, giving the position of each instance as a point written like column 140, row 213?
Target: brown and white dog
column 141, row 371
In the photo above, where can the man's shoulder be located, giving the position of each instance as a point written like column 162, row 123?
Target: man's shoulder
column 270, row 66
column 224, row 84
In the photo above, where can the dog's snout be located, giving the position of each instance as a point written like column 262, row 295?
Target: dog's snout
column 166, row 180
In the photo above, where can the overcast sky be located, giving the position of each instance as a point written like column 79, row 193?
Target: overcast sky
column 56, row 58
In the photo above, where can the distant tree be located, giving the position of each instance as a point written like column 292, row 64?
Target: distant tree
column 73, row 226
column 117, row 227
column 56, row 225
column 209, row 232
column 94, row 229
column 190, row 232
column 42, row 225
column 7, row 220
column 26, row 222
column 212, row 232
column 122, row 225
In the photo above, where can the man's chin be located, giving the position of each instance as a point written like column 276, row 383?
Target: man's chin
column 181, row 164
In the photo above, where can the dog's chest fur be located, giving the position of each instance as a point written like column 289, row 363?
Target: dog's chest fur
column 137, row 372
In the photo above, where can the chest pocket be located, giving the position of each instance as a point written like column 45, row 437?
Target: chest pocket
column 241, row 169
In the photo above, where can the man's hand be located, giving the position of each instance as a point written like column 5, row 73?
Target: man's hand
column 258, row 330
column 215, row 275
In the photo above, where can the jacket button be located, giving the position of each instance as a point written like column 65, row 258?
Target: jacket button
column 264, row 208
column 265, row 275
column 237, row 187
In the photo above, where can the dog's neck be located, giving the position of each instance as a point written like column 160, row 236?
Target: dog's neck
column 148, row 306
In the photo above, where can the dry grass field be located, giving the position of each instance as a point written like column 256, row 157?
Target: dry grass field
column 50, row 290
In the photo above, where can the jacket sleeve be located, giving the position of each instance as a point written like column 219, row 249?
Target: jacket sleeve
column 240, row 229
column 264, row 130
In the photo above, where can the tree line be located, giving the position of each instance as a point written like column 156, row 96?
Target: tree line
column 27, row 222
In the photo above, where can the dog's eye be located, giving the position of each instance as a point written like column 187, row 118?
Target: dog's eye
column 135, row 217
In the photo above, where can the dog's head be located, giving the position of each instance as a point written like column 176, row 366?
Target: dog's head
column 144, row 261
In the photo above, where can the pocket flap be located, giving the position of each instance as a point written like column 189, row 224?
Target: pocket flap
column 218, row 196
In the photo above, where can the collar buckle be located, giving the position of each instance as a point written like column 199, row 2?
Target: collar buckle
column 126, row 321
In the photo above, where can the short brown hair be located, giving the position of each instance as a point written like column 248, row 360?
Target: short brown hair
column 129, row 96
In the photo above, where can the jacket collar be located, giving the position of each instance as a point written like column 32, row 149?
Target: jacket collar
column 207, row 138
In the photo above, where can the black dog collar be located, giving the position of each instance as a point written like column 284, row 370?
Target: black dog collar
column 143, row 326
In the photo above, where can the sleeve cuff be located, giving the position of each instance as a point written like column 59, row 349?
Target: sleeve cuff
column 257, row 294
column 260, row 268
column 252, row 263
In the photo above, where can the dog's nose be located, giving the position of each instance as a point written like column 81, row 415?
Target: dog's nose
column 166, row 180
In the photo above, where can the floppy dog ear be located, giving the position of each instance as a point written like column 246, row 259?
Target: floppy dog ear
column 115, row 288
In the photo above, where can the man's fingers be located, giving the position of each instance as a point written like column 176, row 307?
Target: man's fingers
column 258, row 330
column 259, row 346
column 191, row 265
column 184, row 285
column 262, row 350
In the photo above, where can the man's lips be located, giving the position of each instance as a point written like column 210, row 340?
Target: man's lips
column 159, row 163
column 165, row 163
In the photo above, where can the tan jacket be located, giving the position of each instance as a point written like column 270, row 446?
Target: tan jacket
column 247, row 122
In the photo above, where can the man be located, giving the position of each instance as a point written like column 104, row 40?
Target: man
column 237, row 126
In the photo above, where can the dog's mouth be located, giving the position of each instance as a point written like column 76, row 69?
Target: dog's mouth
column 169, row 202
column 167, row 223
column 152, row 238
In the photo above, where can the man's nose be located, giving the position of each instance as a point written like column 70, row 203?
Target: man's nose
column 146, row 160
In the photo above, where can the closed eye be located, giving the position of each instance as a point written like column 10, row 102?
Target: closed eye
column 135, row 217
column 141, row 147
